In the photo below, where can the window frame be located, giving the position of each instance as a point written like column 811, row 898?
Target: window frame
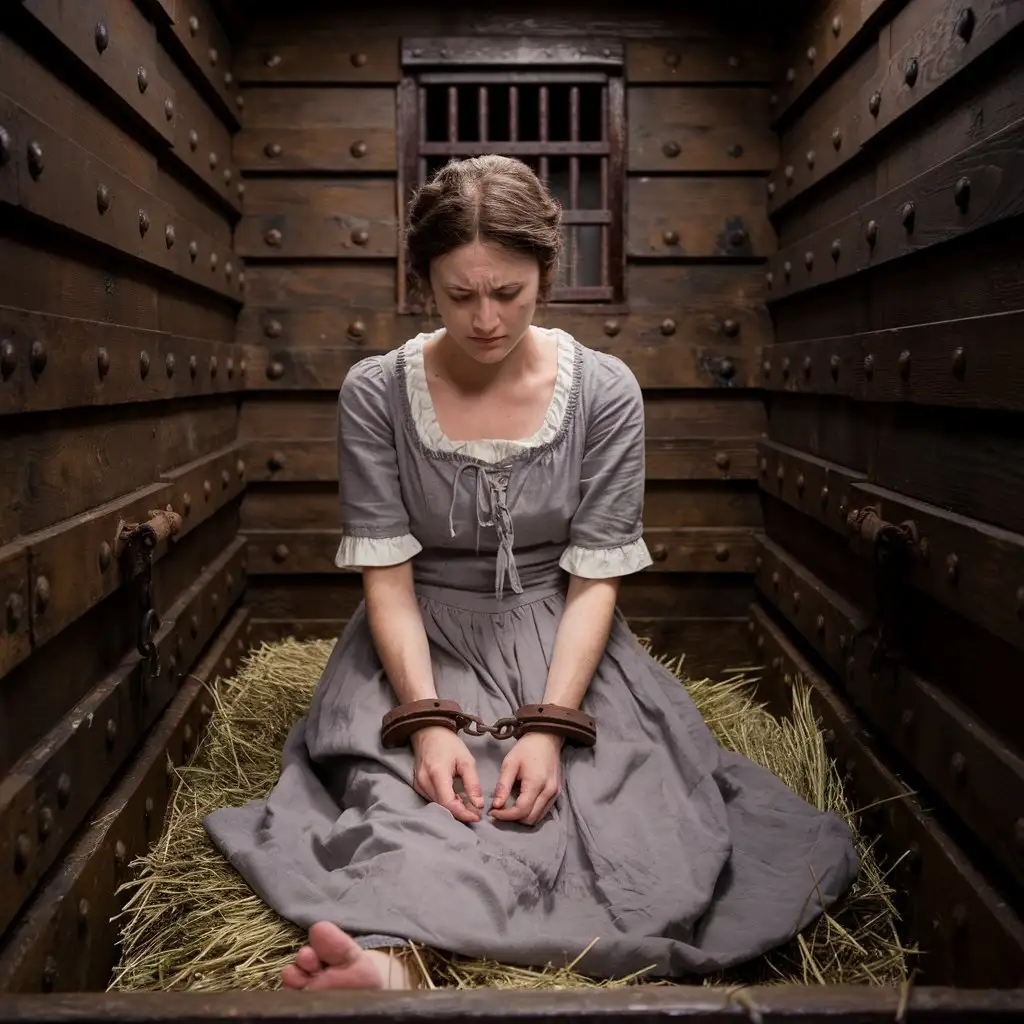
column 517, row 61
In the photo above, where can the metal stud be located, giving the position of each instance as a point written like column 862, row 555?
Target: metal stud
column 812, row 54
column 273, row 237
column 770, row 188
column 871, row 232
column 228, row 175
column 671, row 149
column 735, row 150
column 726, row 369
column 722, row 460
column 837, row 25
column 837, row 248
column 169, row 364
column 213, row 55
column 101, row 36
column 824, row 497
column 213, row 160
column 102, row 198
column 272, row 328
column 834, row 363
column 228, row 79
column 193, row 250
column 143, row 222
column 958, row 765
column 819, row 624
column 959, row 363
column 907, row 215
column 671, row 59
column 962, row 193
column 207, row 489
column 37, row 358
column 785, row 366
column 730, row 328
column 213, row 366
column 809, row 260
column 952, row 567
column 272, row 60
column 788, row 174
column 193, row 24
column 5, row 147
column 904, row 364
column 120, row 853
column 766, row 368
column 35, row 160
column 111, row 732
column 275, row 370
column 965, row 24
column 670, row 237
column 143, row 364
column 790, row 75
column 668, row 326
column 169, row 109
column 910, row 72
column 193, row 367
column 193, row 140
column 807, row 366
column 787, row 269
column 875, row 103
column 837, row 138
column 240, row 102
column 142, row 77
column 22, row 852
column 170, row 236
column 358, row 149
column 213, row 261
column 721, row 552
column 102, row 362
column 8, row 359
column 360, row 236
column 281, row 552
column 800, row 483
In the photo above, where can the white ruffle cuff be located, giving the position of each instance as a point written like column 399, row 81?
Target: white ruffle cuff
column 604, row 563
column 359, row 552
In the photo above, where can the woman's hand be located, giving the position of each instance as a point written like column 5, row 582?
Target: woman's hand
column 441, row 756
column 536, row 762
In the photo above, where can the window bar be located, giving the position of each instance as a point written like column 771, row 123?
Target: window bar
column 453, row 113
column 423, row 133
column 574, row 183
column 544, row 131
column 604, row 185
column 513, row 113
column 482, row 105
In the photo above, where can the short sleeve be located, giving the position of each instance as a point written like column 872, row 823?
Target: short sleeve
column 374, row 521
column 606, row 533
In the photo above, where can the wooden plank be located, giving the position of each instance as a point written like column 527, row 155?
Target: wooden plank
column 974, row 362
column 319, row 219
column 297, row 54
column 119, row 50
column 698, row 217
column 54, row 362
column 817, row 487
column 61, row 182
column 299, row 459
column 345, row 284
column 691, row 366
column 697, row 549
column 48, row 793
column 457, row 51
column 53, row 471
column 971, row 935
column 70, row 568
column 974, row 189
column 16, row 635
column 976, row 774
column 45, row 951
column 198, row 42
column 824, row 47
column 718, row 129
column 202, row 142
column 925, row 32
column 972, row 567
column 701, row 59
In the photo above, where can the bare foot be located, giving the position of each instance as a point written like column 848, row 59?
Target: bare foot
column 333, row 959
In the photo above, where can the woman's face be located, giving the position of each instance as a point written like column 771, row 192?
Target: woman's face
column 486, row 296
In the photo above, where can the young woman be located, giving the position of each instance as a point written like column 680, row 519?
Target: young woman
column 492, row 488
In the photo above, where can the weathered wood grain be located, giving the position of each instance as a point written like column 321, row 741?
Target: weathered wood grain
column 49, row 792
column 701, row 59
column 697, row 218
column 952, row 910
column 45, row 952
column 297, row 55
column 688, row 129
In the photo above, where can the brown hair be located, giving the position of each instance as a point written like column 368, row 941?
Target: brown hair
column 491, row 198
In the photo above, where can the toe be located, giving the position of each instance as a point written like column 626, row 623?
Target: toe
column 294, row 977
column 307, row 959
column 334, row 947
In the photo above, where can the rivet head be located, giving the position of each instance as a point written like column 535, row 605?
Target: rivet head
column 228, row 79
column 721, row 552
column 780, row 473
column 726, row 369
column 142, row 77
column 213, row 55
column 5, row 146
column 722, row 460
column 102, row 362
column 611, row 328
column 871, row 232
column 83, row 911
column 358, row 60
column 735, row 150
column 170, row 236
column 834, row 363
column 812, row 54
column 837, row 138
column 786, row 362
column 800, row 483
column 790, row 75
column 213, row 160
column 35, row 160
column 193, row 366
column 670, row 237
column 907, row 215
column 169, row 109
column 358, row 149
column 104, row 556
column 111, row 731
column 962, row 193
column 824, row 496
column 965, row 24
column 807, row 365
column 143, row 364
column 788, row 173
column 228, row 175
column 225, row 478
column 837, row 249
column 668, row 326
column 37, row 358
column 770, row 188
column 230, row 365
column 272, row 60
column 910, row 72
column 276, row 461
column 169, row 364
column 207, row 488
column 952, row 567
column 120, row 852
column 143, row 222
column 357, row 330
column 811, row 157
column 958, row 764
column 819, row 624
column 272, row 150
column 272, row 328
column 837, row 25
column 671, row 59
column 787, row 269
column 193, row 250
column 869, row 365
column 8, row 359
column 809, row 260
column 22, row 852
column 101, row 36
column 904, row 364
column 959, row 363
column 275, row 370
column 45, row 822
column 360, row 236
column 42, row 593
column 193, row 25
column 193, row 140
column 796, row 599
column 875, row 103
column 730, row 328
column 213, row 261
column 273, row 237
column 671, row 149
column 213, row 366
column 280, row 552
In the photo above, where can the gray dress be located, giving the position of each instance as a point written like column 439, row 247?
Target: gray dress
column 668, row 850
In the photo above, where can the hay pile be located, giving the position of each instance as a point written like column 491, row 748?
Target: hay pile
column 191, row 922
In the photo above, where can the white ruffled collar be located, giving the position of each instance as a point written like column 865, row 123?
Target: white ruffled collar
column 486, row 449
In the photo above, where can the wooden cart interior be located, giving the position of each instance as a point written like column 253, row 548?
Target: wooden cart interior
column 800, row 227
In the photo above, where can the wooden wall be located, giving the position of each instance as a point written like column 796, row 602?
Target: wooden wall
column 319, row 88
column 895, row 384
column 120, row 388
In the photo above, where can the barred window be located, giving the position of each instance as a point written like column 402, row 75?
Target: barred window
column 558, row 106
